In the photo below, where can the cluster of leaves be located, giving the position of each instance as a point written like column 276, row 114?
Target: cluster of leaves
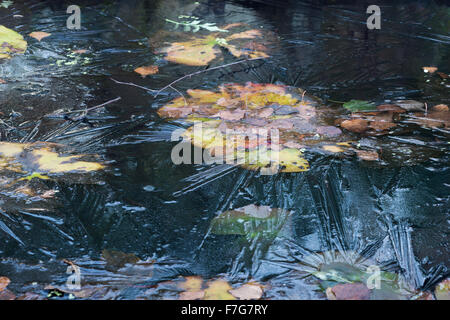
column 194, row 289
column 201, row 50
column 245, row 109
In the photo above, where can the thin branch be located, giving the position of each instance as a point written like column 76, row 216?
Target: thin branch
column 170, row 85
column 134, row 85
column 94, row 107
column 185, row 101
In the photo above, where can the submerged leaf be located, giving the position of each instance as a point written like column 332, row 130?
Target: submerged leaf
column 250, row 220
column 442, row 290
column 40, row 158
column 249, row 291
column 218, row 290
column 348, row 291
column 359, row 105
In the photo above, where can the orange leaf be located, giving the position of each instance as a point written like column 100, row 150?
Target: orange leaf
column 4, row 282
column 429, row 69
column 147, row 70
column 39, row 35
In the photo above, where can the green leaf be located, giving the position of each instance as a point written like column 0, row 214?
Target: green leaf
column 359, row 105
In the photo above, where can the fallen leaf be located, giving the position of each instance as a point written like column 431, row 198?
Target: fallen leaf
column 80, row 51
column 348, row 291
column 4, row 282
column 39, row 35
column 147, row 70
column 11, row 43
column 196, row 52
column 359, row 105
column 442, row 290
column 192, row 295
column 117, row 259
column 367, row 155
column 40, row 158
column 355, row 125
column 218, row 290
column 248, row 292
column 441, row 108
column 333, row 149
column 234, row 115
column 250, row 221
column 381, row 125
column 443, row 75
column 429, row 69
column 2, row 81
column 410, row 105
column 192, row 283
column 390, row 107
column 329, row 131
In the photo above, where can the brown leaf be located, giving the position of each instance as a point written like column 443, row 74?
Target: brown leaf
column 348, row 291
column 381, row 125
column 390, row 107
column 39, row 35
column 146, row 70
column 355, row 125
column 4, row 282
column 248, row 292
column 443, row 75
column 367, row 155
column 441, row 108
column 2, row 81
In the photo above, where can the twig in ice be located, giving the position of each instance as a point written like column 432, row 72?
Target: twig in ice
column 134, row 85
column 170, row 85
column 94, row 107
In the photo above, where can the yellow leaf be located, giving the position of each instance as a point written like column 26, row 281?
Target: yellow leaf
column 218, row 290
column 333, row 149
column 39, row 158
column 192, row 284
column 10, row 43
column 197, row 52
